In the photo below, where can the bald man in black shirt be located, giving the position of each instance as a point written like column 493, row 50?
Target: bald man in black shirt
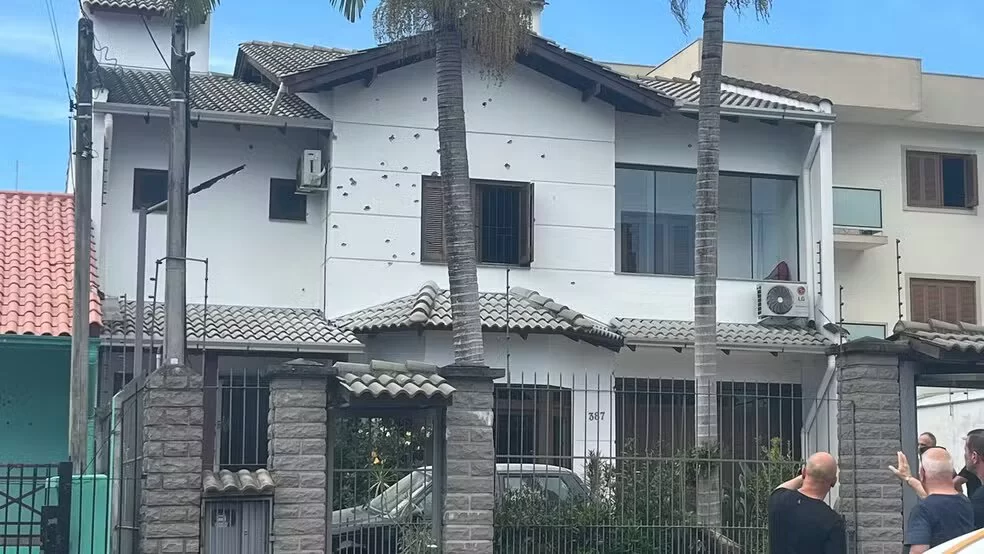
column 800, row 522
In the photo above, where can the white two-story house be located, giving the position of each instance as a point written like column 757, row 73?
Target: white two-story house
column 584, row 184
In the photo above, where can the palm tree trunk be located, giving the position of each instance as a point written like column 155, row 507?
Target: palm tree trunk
column 459, row 222
column 706, row 260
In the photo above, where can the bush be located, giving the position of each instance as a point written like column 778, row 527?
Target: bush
column 644, row 504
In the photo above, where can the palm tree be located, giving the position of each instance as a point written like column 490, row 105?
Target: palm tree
column 496, row 31
column 706, row 242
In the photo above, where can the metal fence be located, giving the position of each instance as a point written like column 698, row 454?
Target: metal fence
column 35, row 507
column 382, row 483
column 126, row 477
column 612, row 465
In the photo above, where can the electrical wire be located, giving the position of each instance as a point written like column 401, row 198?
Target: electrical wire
column 152, row 39
column 53, row 24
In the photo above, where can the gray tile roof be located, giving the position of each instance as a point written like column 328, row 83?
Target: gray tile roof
column 735, row 335
column 687, row 93
column 771, row 89
column 529, row 312
column 959, row 337
column 377, row 379
column 300, row 328
column 280, row 58
column 239, row 482
column 212, row 92
column 158, row 6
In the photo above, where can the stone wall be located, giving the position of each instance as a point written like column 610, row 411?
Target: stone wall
column 470, row 496
column 298, row 461
column 173, row 425
column 869, row 433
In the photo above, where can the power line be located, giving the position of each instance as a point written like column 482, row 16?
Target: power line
column 152, row 39
column 53, row 24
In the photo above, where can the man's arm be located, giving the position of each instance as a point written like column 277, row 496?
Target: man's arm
column 905, row 475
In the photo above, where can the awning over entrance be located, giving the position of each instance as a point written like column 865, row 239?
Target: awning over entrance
column 523, row 311
column 941, row 340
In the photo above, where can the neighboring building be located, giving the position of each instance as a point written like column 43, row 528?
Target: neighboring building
column 584, row 185
column 36, row 264
column 905, row 152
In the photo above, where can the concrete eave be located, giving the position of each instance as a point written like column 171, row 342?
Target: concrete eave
column 233, row 118
column 242, row 346
column 799, row 116
column 764, row 348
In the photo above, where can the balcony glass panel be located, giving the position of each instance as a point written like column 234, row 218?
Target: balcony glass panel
column 859, row 330
column 857, row 208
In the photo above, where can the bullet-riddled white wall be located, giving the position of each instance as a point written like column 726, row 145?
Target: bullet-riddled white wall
column 934, row 243
column 252, row 260
column 122, row 39
column 527, row 128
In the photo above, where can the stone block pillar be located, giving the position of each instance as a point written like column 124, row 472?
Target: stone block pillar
column 470, row 492
column 173, row 429
column 298, row 462
column 869, row 434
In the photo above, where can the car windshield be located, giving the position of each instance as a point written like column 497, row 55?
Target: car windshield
column 400, row 492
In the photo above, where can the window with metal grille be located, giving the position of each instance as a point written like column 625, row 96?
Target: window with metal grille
column 503, row 212
column 533, row 424
column 940, row 180
column 947, row 300
column 149, row 188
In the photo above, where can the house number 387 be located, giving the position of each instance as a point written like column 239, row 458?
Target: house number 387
column 596, row 416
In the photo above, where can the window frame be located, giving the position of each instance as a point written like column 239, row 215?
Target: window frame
column 693, row 171
column 971, row 184
column 527, row 223
column 974, row 283
column 279, row 183
column 137, row 171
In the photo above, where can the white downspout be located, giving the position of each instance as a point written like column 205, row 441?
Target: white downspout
column 107, row 155
column 811, row 156
column 276, row 99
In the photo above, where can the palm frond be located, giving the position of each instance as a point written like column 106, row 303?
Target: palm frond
column 197, row 11
column 351, row 9
column 762, row 10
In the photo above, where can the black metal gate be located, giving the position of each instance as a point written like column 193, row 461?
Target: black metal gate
column 35, row 507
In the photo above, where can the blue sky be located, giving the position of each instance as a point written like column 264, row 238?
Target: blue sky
column 34, row 105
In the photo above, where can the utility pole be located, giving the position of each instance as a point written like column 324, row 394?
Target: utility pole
column 79, row 401
column 175, row 268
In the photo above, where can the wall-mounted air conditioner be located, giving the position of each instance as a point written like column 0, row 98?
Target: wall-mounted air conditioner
column 781, row 302
column 311, row 173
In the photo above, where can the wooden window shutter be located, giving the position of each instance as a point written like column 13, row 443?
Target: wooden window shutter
column 917, row 301
column 970, row 174
column 432, row 220
column 526, row 226
column 967, row 302
column 923, row 179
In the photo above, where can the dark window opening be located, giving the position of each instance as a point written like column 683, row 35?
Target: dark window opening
column 503, row 218
column 533, row 425
column 937, row 180
column 149, row 188
column 285, row 203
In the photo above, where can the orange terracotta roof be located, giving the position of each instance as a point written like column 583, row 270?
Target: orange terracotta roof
column 37, row 233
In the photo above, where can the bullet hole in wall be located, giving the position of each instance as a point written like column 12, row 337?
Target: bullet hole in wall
column 382, row 163
column 344, row 244
column 484, row 104
column 424, row 99
column 250, row 146
column 416, row 135
column 366, row 208
column 406, row 167
column 335, row 226
column 397, row 184
column 413, row 185
column 509, row 141
column 507, row 166
column 543, row 156
column 387, row 241
column 344, row 194
column 392, row 138
column 394, row 256
column 416, row 201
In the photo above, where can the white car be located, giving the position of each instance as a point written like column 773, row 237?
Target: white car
column 971, row 543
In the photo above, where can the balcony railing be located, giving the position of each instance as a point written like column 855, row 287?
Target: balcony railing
column 858, row 208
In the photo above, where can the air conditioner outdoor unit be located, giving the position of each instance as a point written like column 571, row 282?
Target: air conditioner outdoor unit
column 311, row 173
column 781, row 302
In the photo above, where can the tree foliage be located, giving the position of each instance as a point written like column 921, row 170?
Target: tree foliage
column 762, row 9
